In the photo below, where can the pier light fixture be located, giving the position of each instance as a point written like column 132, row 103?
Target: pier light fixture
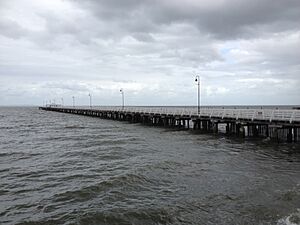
column 122, row 93
column 90, row 100
column 73, row 101
column 197, row 79
column 62, row 101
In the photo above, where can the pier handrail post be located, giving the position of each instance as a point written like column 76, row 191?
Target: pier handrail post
column 253, row 115
column 223, row 114
column 211, row 113
column 238, row 114
column 272, row 114
column 292, row 116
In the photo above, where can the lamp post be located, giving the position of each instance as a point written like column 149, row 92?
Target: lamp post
column 73, row 101
column 197, row 79
column 90, row 100
column 62, row 101
column 122, row 93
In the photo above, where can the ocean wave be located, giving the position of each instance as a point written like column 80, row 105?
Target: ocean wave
column 91, row 191
column 74, row 127
column 131, row 216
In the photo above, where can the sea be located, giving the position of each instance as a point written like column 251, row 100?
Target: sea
column 60, row 168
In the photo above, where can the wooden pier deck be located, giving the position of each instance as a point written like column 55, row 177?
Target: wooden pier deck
column 276, row 124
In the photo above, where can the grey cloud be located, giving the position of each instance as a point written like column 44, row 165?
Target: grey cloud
column 234, row 18
column 56, row 25
column 11, row 29
column 224, row 19
column 68, row 86
column 227, row 19
column 113, row 9
column 154, row 47
column 144, row 37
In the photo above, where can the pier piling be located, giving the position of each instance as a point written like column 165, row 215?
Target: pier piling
column 257, row 125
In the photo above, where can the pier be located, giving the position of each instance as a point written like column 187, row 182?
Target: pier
column 275, row 124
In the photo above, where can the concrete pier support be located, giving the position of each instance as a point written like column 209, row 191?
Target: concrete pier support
column 282, row 129
column 214, row 127
column 227, row 128
column 240, row 130
column 255, row 131
column 289, row 134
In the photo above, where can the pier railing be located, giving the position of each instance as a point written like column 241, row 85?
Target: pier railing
column 247, row 114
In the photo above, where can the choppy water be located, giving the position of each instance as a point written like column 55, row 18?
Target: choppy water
column 67, row 169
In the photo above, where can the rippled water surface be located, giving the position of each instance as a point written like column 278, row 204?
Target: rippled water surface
column 66, row 169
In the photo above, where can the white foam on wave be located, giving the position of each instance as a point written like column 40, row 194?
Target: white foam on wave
column 293, row 219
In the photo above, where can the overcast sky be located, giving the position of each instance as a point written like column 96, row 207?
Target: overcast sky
column 245, row 51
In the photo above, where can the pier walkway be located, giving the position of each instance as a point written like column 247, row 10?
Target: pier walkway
column 278, row 124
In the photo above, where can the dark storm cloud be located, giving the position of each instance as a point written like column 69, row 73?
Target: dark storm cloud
column 224, row 19
column 218, row 19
